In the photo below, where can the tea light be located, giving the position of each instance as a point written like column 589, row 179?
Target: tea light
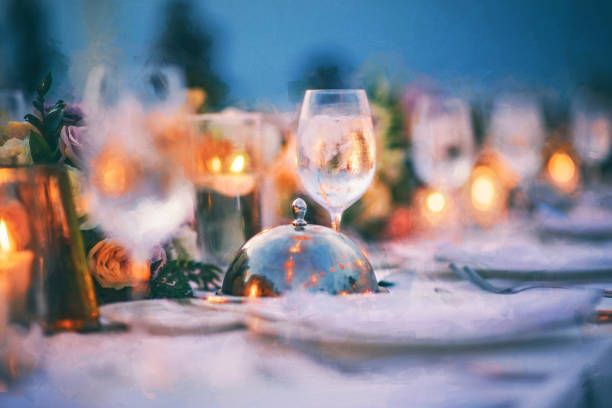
column 14, row 267
column 230, row 181
column 487, row 195
column 483, row 189
column 434, row 208
column 435, row 202
column 562, row 171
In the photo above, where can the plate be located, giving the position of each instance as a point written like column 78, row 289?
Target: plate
column 422, row 316
column 584, row 222
column 170, row 317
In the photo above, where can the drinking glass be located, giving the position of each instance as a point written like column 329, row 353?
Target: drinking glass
column 442, row 141
column 592, row 132
column 227, row 162
column 517, row 133
column 134, row 156
column 336, row 148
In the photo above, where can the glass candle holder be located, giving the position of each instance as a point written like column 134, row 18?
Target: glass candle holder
column 41, row 250
column 225, row 173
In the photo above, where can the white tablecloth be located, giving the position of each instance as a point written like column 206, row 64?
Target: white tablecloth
column 571, row 368
column 232, row 369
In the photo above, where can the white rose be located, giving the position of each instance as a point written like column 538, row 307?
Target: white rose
column 15, row 152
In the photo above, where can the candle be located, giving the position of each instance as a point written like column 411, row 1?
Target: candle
column 230, row 180
column 435, row 202
column 434, row 209
column 486, row 195
column 562, row 171
column 14, row 268
column 484, row 189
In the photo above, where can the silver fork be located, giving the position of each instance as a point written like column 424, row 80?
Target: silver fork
column 474, row 277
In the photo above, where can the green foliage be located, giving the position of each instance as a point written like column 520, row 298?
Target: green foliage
column 44, row 144
column 44, row 86
column 40, row 150
column 385, row 284
column 176, row 277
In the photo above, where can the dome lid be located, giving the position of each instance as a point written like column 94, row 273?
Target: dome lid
column 299, row 257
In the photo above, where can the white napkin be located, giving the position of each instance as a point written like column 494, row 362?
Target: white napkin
column 582, row 221
column 420, row 316
column 522, row 253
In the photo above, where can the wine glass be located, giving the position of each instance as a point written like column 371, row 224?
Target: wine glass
column 336, row 148
column 592, row 136
column 517, row 133
column 442, row 141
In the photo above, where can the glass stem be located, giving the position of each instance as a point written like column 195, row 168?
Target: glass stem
column 336, row 218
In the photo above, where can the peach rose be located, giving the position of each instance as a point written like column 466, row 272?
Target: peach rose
column 112, row 266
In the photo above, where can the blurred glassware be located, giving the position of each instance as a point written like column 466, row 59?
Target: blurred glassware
column 227, row 151
column 135, row 156
column 591, row 131
column 12, row 106
column 516, row 132
column 336, row 148
column 442, row 141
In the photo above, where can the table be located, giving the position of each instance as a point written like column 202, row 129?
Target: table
column 238, row 368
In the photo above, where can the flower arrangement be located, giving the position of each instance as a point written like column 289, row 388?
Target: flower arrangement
column 55, row 134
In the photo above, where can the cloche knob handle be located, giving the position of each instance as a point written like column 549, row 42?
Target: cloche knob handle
column 299, row 208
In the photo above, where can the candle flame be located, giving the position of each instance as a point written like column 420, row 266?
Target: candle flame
column 237, row 164
column 216, row 299
column 5, row 243
column 483, row 192
column 435, row 202
column 215, row 164
column 561, row 168
column 254, row 291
